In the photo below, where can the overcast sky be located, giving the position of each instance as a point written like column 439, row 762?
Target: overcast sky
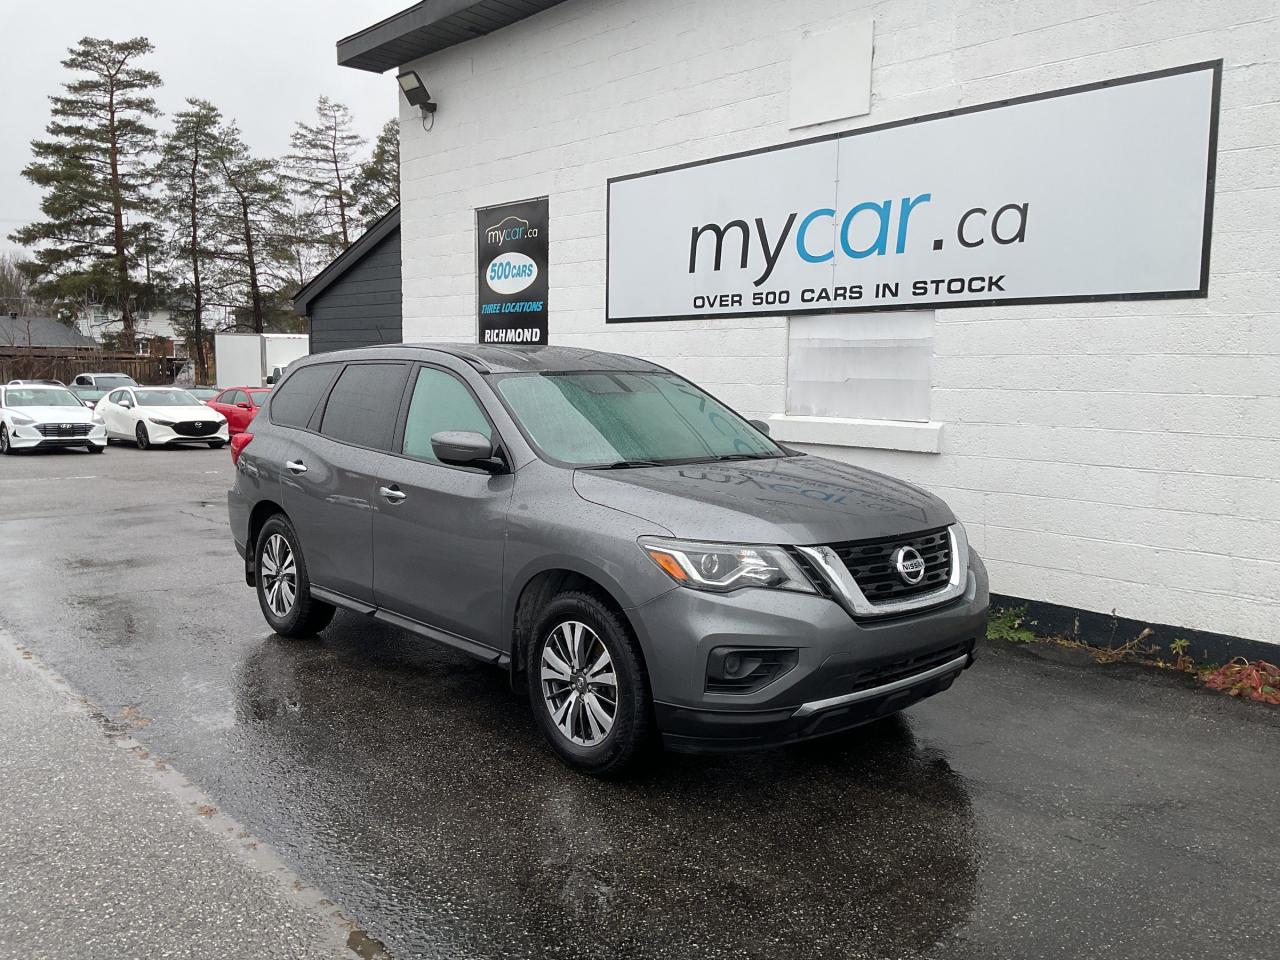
column 262, row 62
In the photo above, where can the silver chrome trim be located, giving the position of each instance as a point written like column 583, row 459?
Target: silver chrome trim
column 805, row 709
column 852, row 598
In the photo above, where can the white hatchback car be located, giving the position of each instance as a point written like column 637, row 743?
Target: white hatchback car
column 34, row 417
column 160, row 416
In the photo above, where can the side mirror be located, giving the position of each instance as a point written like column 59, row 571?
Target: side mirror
column 463, row 448
column 760, row 425
column 127, row 403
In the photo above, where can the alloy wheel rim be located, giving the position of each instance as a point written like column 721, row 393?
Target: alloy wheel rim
column 579, row 685
column 141, row 434
column 279, row 575
column 4, row 439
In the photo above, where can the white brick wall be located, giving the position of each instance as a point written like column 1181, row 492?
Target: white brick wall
column 1116, row 456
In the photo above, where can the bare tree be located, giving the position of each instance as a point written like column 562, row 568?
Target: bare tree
column 321, row 168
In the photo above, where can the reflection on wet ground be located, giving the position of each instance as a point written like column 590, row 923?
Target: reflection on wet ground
column 1036, row 809
column 500, row 848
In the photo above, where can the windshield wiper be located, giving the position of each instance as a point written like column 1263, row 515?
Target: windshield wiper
column 625, row 465
column 745, row 456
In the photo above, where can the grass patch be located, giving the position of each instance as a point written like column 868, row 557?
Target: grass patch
column 1009, row 623
column 1251, row 680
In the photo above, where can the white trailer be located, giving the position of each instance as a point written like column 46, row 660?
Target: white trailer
column 256, row 359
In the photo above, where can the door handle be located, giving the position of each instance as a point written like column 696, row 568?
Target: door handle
column 296, row 466
column 392, row 494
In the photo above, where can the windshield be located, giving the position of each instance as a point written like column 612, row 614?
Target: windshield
column 601, row 418
column 39, row 397
column 166, row 398
column 110, row 383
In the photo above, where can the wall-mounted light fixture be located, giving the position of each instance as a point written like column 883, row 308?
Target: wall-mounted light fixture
column 415, row 92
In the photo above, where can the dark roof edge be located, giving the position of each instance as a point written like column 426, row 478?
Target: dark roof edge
column 430, row 26
column 347, row 259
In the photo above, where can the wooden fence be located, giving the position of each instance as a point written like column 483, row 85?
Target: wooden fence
column 61, row 363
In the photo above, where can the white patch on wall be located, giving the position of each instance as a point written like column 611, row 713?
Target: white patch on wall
column 870, row 366
column 831, row 75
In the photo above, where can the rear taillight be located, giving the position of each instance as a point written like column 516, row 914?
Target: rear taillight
column 238, row 443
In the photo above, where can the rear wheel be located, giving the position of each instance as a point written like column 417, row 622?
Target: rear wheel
column 284, row 592
column 5, row 446
column 141, row 437
column 587, row 685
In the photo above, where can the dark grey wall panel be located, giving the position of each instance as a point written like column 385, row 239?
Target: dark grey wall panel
column 363, row 306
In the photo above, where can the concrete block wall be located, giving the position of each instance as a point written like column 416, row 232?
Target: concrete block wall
column 1114, row 457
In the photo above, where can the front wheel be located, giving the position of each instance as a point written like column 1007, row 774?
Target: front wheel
column 284, row 591
column 587, row 685
column 141, row 437
column 5, row 446
column 94, row 448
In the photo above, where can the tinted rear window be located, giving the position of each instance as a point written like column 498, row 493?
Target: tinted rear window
column 364, row 403
column 296, row 399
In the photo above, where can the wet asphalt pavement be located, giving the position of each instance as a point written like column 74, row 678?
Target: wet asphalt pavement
column 1037, row 809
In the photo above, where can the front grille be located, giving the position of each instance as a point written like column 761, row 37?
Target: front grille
column 196, row 428
column 883, row 673
column 63, row 431
column 869, row 563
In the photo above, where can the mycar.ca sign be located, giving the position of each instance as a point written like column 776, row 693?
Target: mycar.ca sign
column 1100, row 192
column 511, row 259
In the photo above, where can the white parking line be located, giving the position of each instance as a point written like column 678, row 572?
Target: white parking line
column 92, row 476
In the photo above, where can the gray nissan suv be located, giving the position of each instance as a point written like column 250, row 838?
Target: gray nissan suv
column 644, row 561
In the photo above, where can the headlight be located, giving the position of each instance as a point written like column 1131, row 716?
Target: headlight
column 22, row 421
column 160, row 423
column 722, row 567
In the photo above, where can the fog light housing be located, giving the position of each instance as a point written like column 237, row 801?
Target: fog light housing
column 747, row 669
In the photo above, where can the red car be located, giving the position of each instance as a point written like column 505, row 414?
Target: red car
column 239, row 405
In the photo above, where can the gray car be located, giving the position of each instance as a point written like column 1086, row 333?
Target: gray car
column 641, row 559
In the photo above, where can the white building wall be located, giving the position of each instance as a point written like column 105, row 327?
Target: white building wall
column 1115, row 457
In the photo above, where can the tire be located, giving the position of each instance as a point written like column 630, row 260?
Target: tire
column 141, row 437
column 217, row 444
column 6, row 448
column 574, row 729
column 292, row 617
column 94, row 448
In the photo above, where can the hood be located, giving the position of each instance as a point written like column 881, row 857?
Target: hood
column 792, row 500
column 199, row 412
column 55, row 414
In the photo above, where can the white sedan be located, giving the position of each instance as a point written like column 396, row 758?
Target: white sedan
column 44, row 416
column 155, row 416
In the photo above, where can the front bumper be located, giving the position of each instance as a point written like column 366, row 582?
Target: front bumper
column 166, row 436
column 29, row 437
column 848, row 672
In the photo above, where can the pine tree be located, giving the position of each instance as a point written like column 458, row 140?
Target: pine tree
column 252, row 215
column 189, row 172
column 377, row 185
column 95, row 172
column 321, row 167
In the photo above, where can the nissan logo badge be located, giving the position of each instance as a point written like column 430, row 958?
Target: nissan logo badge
column 909, row 564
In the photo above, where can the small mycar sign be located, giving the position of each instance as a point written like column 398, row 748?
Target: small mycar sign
column 511, row 247
column 1091, row 193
